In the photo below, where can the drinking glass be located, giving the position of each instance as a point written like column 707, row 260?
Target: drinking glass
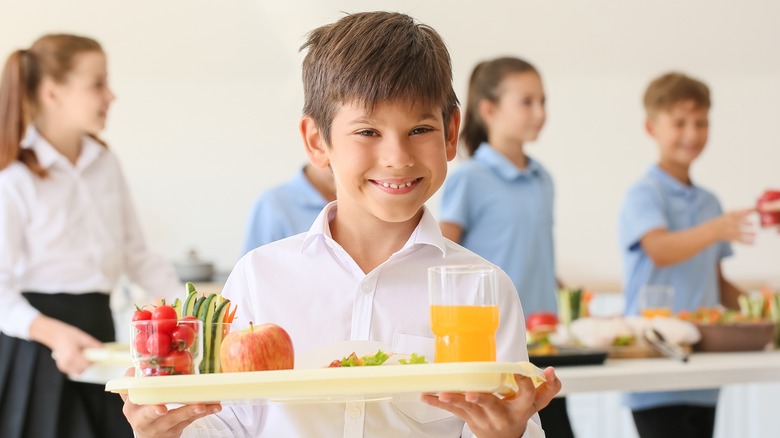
column 464, row 312
column 656, row 300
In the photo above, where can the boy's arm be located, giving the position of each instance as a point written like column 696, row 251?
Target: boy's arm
column 667, row 248
column 729, row 293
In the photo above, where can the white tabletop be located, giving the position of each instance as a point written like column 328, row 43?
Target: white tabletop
column 703, row 370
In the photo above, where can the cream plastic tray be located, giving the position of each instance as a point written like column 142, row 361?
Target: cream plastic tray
column 327, row 384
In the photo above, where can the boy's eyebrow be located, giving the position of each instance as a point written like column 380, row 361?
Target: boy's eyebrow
column 368, row 119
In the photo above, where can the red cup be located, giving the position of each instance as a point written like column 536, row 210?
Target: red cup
column 769, row 218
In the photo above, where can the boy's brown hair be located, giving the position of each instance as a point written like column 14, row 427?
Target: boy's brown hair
column 374, row 57
column 672, row 88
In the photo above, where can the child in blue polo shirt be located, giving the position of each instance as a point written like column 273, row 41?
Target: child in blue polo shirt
column 499, row 204
column 289, row 208
column 674, row 232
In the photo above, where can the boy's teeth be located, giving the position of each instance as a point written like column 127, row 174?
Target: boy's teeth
column 397, row 186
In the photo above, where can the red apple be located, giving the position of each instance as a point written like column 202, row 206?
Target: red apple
column 257, row 348
column 541, row 322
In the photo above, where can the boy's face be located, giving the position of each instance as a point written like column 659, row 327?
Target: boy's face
column 681, row 132
column 386, row 163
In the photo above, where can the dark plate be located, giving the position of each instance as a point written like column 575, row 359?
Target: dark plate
column 571, row 357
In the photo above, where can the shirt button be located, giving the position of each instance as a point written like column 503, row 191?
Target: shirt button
column 355, row 412
column 367, row 287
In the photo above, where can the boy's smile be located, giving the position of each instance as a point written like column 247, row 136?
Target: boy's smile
column 681, row 133
column 387, row 162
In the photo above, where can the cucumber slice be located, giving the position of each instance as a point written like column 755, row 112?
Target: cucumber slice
column 196, row 308
column 189, row 304
column 205, row 315
column 190, row 288
column 177, row 307
column 218, row 333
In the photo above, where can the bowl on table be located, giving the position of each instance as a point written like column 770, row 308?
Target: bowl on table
column 743, row 336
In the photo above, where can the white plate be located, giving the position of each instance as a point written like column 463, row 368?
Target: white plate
column 112, row 353
column 328, row 384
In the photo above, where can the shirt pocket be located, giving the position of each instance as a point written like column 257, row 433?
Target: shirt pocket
column 409, row 404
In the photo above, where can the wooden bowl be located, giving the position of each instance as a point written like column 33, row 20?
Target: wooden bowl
column 753, row 336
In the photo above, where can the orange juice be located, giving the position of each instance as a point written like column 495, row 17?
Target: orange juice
column 653, row 312
column 464, row 333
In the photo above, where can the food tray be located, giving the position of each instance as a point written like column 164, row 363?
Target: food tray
column 327, row 384
column 112, row 353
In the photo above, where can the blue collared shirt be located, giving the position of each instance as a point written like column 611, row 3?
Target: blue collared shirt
column 658, row 200
column 283, row 211
column 506, row 215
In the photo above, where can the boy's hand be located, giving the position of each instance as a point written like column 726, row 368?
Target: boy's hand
column 489, row 415
column 159, row 422
column 734, row 226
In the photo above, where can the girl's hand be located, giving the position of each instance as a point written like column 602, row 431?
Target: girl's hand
column 159, row 422
column 67, row 343
column 489, row 415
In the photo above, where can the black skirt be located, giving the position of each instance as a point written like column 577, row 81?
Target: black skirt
column 36, row 399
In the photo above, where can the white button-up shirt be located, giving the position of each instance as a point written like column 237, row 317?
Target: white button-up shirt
column 310, row 286
column 74, row 231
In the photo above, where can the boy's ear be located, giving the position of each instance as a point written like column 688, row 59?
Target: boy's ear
column 650, row 126
column 316, row 148
column 452, row 134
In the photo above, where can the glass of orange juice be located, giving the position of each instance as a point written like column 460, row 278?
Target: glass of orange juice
column 656, row 300
column 464, row 312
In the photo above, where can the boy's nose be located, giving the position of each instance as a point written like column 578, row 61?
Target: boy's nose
column 396, row 153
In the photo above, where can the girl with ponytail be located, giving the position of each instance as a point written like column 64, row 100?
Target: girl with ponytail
column 68, row 231
column 499, row 203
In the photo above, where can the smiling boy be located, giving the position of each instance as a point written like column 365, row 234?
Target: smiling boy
column 674, row 232
column 381, row 112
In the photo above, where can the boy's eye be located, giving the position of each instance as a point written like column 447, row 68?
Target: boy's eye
column 420, row 130
column 366, row 133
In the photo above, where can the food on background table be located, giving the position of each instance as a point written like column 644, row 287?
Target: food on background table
column 215, row 313
column 539, row 326
column 257, row 348
column 573, row 304
column 629, row 331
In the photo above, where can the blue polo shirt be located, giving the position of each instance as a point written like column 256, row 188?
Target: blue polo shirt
column 658, row 200
column 506, row 215
column 283, row 211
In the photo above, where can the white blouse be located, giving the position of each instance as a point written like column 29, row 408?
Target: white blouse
column 312, row 288
column 74, row 231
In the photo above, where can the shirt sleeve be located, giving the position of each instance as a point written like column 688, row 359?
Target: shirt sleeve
column 19, row 314
column 149, row 270
column 641, row 212
column 455, row 199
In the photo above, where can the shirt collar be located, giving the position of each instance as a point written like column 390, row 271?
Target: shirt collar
column 427, row 231
column 505, row 168
column 671, row 183
column 47, row 155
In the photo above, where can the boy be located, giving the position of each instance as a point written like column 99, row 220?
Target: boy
column 673, row 232
column 381, row 112
column 289, row 208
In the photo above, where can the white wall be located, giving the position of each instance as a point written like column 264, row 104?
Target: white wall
column 210, row 96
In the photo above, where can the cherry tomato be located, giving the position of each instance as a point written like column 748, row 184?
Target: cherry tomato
column 183, row 337
column 141, row 315
column 140, row 342
column 189, row 318
column 159, row 344
column 165, row 318
column 181, row 362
